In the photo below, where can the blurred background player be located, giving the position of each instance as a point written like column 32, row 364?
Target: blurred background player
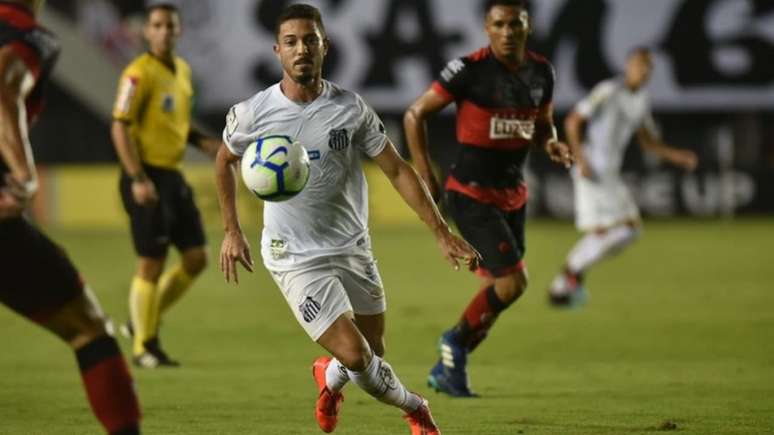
column 151, row 127
column 604, row 209
column 39, row 281
column 317, row 245
column 504, row 106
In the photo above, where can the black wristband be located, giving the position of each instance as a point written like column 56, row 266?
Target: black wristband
column 138, row 177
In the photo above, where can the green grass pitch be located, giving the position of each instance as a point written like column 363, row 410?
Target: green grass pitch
column 679, row 329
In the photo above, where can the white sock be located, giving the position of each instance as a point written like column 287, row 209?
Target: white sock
column 336, row 376
column 380, row 381
column 594, row 247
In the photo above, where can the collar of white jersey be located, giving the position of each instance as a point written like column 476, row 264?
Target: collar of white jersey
column 326, row 86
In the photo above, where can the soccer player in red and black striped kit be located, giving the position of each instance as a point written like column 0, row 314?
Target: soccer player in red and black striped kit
column 503, row 94
column 38, row 280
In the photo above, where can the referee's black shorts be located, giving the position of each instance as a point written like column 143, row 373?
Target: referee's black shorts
column 496, row 234
column 37, row 277
column 174, row 219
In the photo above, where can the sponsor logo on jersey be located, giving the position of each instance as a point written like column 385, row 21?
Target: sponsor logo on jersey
column 451, row 69
column 338, row 139
column 309, row 309
column 125, row 97
column 511, row 128
column 168, row 103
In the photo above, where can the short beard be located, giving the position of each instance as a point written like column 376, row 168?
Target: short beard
column 304, row 79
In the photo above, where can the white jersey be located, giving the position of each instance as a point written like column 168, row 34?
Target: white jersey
column 330, row 216
column 613, row 113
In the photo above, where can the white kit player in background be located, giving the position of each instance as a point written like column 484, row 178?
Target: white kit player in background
column 604, row 208
column 316, row 245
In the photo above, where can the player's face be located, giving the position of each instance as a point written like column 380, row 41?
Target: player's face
column 301, row 48
column 507, row 28
column 638, row 69
column 162, row 31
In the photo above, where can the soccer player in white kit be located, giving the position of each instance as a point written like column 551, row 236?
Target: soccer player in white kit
column 316, row 245
column 604, row 208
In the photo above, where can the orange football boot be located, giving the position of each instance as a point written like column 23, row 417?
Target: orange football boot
column 421, row 421
column 328, row 403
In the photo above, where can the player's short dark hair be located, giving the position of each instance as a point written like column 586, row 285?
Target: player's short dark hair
column 169, row 7
column 300, row 11
column 489, row 4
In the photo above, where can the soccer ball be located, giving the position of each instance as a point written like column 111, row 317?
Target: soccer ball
column 275, row 168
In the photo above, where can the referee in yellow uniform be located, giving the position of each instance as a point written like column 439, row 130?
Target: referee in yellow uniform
column 151, row 127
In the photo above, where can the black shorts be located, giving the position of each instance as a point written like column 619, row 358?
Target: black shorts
column 173, row 219
column 37, row 277
column 497, row 235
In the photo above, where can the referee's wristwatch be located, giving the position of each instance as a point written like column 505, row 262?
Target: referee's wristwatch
column 139, row 177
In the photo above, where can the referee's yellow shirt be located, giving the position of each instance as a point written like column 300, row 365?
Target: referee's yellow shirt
column 156, row 103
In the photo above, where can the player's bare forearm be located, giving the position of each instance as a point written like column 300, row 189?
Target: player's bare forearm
column 679, row 157
column 415, row 128
column 126, row 149
column 410, row 187
column 13, row 146
column 414, row 124
column 545, row 137
column 413, row 190
column 235, row 248
column 15, row 150
column 415, row 193
column 226, row 185
column 544, row 132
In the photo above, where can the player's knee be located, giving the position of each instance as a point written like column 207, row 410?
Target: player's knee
column 79, row 321
column 86, row 334
column 79, row 329
column 356, row 358
column 195, row 261
column 509, row 288
column 149, row 269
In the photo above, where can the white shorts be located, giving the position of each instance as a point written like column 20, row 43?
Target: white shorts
column 602, row 203
column 325, row 288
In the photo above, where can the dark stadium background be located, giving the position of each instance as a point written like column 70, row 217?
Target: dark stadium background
column 734, row 137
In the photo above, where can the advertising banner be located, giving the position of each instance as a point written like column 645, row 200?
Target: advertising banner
column 709, row 54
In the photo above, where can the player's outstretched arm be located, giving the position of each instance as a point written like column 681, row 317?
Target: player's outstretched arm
column 414, row 124
column 406, row 181
column 16, row 81
column 649, row 141
column 235, row 247
column 545, row 137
